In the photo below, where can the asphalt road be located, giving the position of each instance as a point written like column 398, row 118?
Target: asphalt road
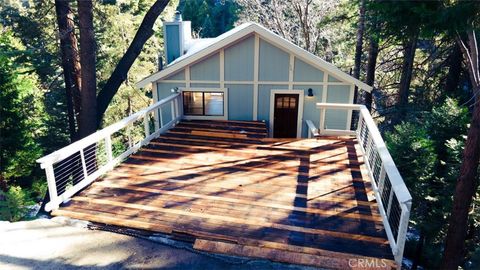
column 61, row 243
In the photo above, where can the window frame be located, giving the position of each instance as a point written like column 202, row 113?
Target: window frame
column 207, row 90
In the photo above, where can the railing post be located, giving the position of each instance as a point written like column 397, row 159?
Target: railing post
column 322, row 120
column 176, row 108
column 108, row 148
column 146, row 125
column 52, row 187
column 160, row 115
column 402, row 232
column 172, row 106
column 157, row 112
column 129, row 134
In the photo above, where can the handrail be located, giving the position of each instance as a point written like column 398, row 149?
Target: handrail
column 312, row 130
column 60, row 153
column 387, row 159
column 75, row 166
column 391, row 193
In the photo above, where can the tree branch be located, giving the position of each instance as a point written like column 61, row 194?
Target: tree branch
column 144, row 32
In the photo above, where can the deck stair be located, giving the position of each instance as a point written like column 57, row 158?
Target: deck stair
column 233, row 191
column 223, row 129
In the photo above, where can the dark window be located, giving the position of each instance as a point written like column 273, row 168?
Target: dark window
column 286, row 102
column 203, row 103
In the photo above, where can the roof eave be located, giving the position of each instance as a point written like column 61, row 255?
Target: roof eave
column 265, row 33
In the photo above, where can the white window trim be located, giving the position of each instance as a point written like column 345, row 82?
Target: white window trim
column 207, row 89
column 301, row 98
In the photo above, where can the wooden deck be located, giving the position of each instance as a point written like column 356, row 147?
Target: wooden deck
column 231, row 190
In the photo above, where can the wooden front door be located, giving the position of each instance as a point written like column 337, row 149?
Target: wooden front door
column 285, row 116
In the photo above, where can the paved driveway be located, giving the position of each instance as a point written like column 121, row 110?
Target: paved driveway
column 61, row 243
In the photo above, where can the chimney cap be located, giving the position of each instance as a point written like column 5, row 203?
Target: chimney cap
column 178, row 16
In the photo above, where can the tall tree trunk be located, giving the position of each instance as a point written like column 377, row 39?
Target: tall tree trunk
column 371, row 66
column 3, row 185
column 88, row 113
column 144, row 32
column 406, row 77
column 466, row 183
column 454, row 70
column 70, row 62
column 359, row 46
column 419, row 251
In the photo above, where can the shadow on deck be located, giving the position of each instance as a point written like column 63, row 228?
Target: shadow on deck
column 305, row 201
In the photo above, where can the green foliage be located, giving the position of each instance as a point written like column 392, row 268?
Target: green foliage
column 33, row 26
column 427, row 151
column 39, row 189
column 415, row 157
column 446, row 122
column 413, row 151
column 20, row 116
column 210, row 18
column 427, row 148
column 404, row 19
column 15, row 203
column 115, row 27
column 33, row 23
column 448, row 19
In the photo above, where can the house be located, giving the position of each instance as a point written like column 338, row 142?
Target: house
column 248, row 149
column 250, row 73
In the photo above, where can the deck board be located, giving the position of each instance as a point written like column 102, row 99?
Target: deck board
column 294, row 195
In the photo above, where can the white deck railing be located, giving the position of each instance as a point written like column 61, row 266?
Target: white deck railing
column 75, row 166
column 391, row 193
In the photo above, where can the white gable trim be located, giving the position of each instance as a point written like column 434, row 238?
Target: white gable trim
column 246, row 29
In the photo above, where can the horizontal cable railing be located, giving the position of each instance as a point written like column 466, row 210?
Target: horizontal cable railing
column 391, row 193
column 75, row 166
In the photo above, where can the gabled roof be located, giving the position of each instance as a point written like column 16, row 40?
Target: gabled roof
column 199, row 49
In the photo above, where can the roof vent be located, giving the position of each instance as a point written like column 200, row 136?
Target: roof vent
column 178, row 16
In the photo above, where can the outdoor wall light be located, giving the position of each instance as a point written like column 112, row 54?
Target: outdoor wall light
column 310, row 92
column 175, row 90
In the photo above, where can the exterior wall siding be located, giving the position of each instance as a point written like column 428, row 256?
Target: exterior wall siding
column 337, row 119
column 310, row 111
column 164, row 90
column 333, row 79
column 274, row 63
column 240, row 101
column 205, row 85
column 264, row 100
column 239, row 61
column 206, row 70
column 273, row 73
column 179, row 76
column 304, row 72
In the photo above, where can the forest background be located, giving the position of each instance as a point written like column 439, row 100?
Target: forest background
column 413, row 53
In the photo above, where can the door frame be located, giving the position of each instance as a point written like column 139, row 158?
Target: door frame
column 301, row 97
